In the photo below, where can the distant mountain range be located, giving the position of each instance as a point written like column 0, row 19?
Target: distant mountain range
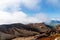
column 53, row 23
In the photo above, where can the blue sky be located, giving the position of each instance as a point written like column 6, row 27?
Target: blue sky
column 52, row 10
column 29, row 10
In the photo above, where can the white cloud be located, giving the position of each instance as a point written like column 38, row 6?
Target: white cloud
column 42, row 17
column 54, row 3
column 19, row 16
column 31, row 4
column 6, row 18
column 56, row 18
column 14, row 5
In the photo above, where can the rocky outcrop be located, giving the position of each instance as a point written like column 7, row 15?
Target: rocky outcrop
column 16, row 30
column 41, row 27
column 57, row 29
column 55, row 37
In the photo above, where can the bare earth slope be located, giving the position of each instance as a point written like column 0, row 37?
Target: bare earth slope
column 15, row 30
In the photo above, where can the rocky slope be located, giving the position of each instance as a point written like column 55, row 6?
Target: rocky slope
column 21, row 30
column 55, row 37
column 13, row 31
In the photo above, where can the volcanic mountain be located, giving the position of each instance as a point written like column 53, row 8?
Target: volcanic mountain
column 8, row 31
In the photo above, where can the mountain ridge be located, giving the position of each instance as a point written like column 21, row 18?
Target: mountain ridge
column 25, row 30
column 22, row 30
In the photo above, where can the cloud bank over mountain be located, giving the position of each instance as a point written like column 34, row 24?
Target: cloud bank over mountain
column 16, row 16
column 21, row 17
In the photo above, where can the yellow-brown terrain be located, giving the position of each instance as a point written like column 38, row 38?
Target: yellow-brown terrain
column 55, row 37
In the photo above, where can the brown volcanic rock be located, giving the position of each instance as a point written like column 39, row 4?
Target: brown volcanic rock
column 57, row 29
column 27, row 38
column 11, row 28
column 4, row 36
column 40, row 27
column 21, row 30
column 16, row 30
column 50, row 37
